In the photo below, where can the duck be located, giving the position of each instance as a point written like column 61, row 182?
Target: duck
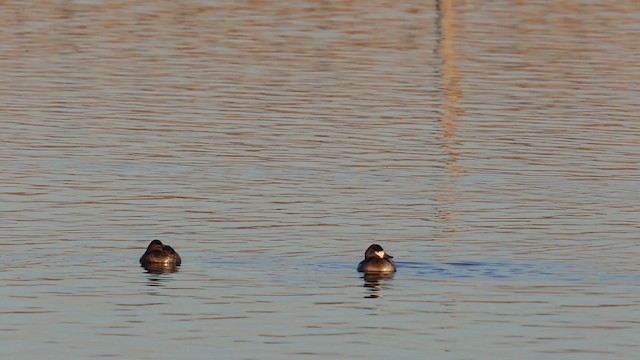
column 160, row 254
column 376, row 260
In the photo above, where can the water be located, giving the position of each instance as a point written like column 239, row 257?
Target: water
column 492, row 148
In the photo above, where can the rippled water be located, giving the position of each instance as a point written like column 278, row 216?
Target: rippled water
column 491, row 147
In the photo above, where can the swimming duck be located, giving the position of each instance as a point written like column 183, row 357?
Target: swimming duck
column 160, row 254
column 376, row 260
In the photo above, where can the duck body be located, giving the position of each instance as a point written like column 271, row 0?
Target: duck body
column 159, row 254
column 376, row 260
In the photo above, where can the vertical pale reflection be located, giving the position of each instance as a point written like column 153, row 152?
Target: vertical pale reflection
column 450, row 109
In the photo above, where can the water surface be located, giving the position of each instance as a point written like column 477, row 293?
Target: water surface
column 492, row 148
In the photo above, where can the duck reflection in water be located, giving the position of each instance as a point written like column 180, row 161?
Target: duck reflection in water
column 160, row 258
column 377, row 266
column 374, row 283
column 159, row 278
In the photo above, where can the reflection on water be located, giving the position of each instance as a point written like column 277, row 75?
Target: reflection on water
column 375, row 283
column 155, row 277
column 492, row 145
column 450, row 79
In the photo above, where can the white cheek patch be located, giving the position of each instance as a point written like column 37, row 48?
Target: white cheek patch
column 380, row 254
